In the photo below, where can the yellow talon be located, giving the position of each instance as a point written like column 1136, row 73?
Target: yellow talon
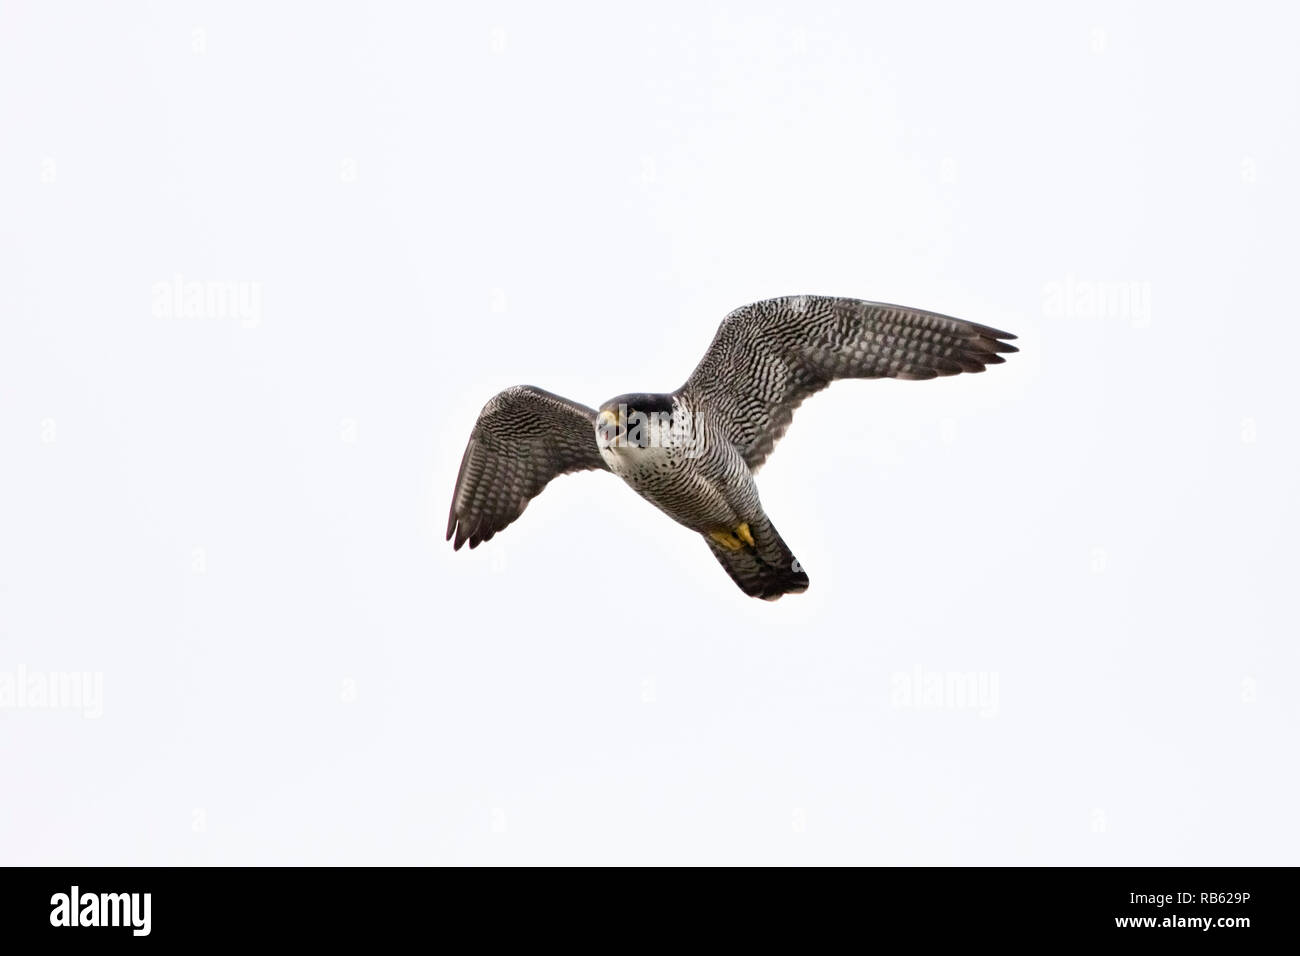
column 734, row 542
column 727, row 540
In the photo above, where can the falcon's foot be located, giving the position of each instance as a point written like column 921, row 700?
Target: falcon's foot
column 734, row 540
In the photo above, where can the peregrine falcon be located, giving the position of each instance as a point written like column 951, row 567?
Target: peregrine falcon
column 693, row 453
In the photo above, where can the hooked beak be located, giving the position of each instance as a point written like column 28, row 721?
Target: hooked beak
column 607, row 428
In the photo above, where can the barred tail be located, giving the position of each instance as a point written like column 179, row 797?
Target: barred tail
column 767, row 569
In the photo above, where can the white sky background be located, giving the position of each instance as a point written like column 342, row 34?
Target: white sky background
column 239, row 524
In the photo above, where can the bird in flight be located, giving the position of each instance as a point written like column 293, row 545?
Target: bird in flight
column 693, row 453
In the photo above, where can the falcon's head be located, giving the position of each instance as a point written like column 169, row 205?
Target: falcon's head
column 636, row 421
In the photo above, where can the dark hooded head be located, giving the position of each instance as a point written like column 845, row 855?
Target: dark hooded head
column 630, row 419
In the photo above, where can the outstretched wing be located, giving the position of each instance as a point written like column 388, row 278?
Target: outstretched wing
column 769, row 356
column 523, row 438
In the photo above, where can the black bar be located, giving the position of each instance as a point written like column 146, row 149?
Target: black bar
column 370, row 906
